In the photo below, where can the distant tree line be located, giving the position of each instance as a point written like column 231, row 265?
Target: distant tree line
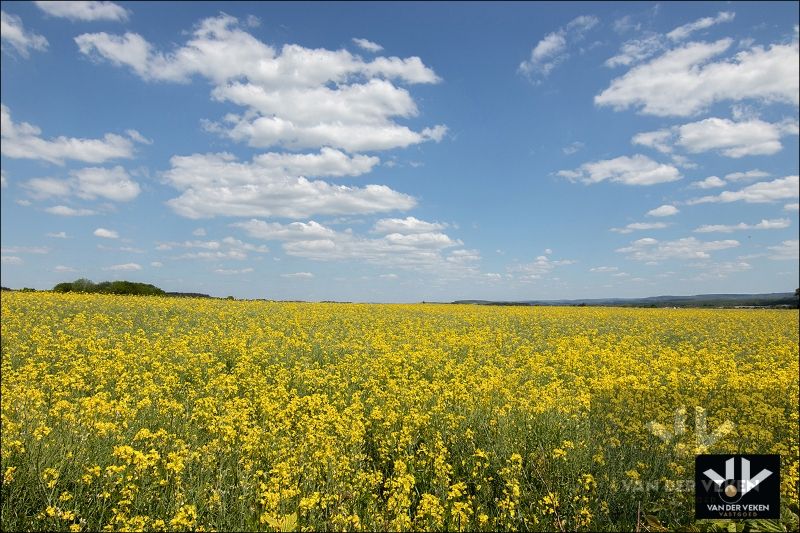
column 109, row 287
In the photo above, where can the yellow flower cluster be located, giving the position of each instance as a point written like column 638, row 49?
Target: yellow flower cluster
column 149, row 414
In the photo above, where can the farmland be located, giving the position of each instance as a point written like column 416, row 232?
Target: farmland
column 151, row 413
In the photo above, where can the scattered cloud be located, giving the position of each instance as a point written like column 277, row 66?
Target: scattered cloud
column 682, row 32
column 604, row 269
column 125, row 267
column 626, row 24
column 685, row 81
column 546, row 55
column 711, row 270
column 298, row 275
column 199, row 232
column 295, row 97
column 731, row 139
column 233, row 271
column 388, row 276
column 110, row 183
column 761, row 192
column 67, row 211
column 156, row 264
column 126, row 249
column 663, row 211
column 734, row 139
column 710, row 182
column 785, row 251
column 41, row 188
column 62, row 268
column 639, row 226
column 659, row 140
column 59, row 235
column 682, row 161
column 636, row 50
column 367, row 45
column 746, row 176
column 573, row 148
column 406, row 225
column 11, row 260
column 84, row 10
column 25, row 250
column 106, row 233
column 273, row 185
column 227, row 248
column 252, row 21
column 636, row 170
column 463, row 257
column 652, row 250
column 651, row 43
column 778, row 223
column 792, row 207
column 410, row 250
column 538, row 268
column 553, row 48
column 276, row 231
column 14, row 34
column 23, row 141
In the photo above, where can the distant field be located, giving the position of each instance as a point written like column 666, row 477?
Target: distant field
column 149, row 413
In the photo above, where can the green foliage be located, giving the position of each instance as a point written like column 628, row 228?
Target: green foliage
column 109, row 287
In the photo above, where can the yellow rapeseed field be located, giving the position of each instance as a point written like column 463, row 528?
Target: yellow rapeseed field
column 143, row 413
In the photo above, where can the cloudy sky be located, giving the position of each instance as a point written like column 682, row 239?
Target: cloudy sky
column 402, row 152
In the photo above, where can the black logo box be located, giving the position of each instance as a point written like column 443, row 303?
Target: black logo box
column 724, row 498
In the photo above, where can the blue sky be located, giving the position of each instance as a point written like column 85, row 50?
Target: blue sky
column 402, row 152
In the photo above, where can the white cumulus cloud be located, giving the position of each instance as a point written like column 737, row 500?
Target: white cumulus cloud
column 757, row 193
column 746, row 176
column 639, row 226
column 366, row 44
column 710, row 182
column 14, row 34
column 24, row 141
column 275, row 231
column 272, row 185
column 67, row 211
column 652, row 250
column 663, row 211
column 731, row 139
column 295, row 97
column 685, row 81
column 635, row 170
column 778, row 223
column 84, row 10
column 540, row 267
column 106, row 233
column 406, row 225
column 125, row 267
